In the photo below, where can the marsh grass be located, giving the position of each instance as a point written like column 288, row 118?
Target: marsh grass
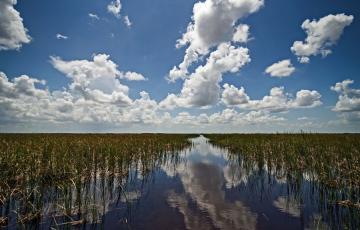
column 70, row 179
column 332, row 160
column 321, row 168
column 62, row 181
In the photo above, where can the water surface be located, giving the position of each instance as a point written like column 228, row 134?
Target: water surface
column 202, row 187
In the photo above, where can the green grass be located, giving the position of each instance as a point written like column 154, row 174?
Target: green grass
column 69, row 179
column 333, row 160
column 36, row 169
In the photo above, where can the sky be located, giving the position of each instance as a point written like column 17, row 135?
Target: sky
column 180, row 66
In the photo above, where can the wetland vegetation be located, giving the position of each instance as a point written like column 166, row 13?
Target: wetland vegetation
column 57, row 175
column 144, row 181
column 331, row 159
column 329, row 162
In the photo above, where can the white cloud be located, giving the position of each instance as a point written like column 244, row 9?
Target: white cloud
column 22, row 100
column 225, row 117
column 127, row 21
column 23, row 85
column 60, row 36
column 94, row 95
column 213, row 22
column 12, row 31
column 94, row 16
column 277, row 101
column 202, row 87
column 234, row 96
column 185, row 118
column 304, row 60
column 282, row 68
column 348, row 104
column 132, row 76
column 321, row 35
column 101, row 69
column 304, row 118
column 114, row 8
column 245, row 118
column 97, row 80
column 344, row 89
column 241, row 33
column 26, row 99
column 306, row 99
column 100, row 73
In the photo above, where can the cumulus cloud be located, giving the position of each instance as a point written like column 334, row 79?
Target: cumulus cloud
column 241, row 33
column 343, row 89
column 60, row 36
column 202, row 87
column 276, row 101
column 282, row 68
column 114, row 8
column 244, row 118
column 279, row 101
column 12, row 31
column 101, row 69
column 348, row 104
column 306, row 99
column 226, row 117
column 304, row 60
column 234, row 96
column 213, row 22
column 22, row 85
column 92, row 78
column 321, row 35
column 20, row 98
column 133, row 76
column 26, row 99
column 97, row 79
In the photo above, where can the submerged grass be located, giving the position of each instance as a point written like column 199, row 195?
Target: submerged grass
column 323, row 168
column 333, row 160
column 65, row 180
column 60, row 175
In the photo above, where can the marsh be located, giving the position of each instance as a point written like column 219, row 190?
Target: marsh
column 160, row 182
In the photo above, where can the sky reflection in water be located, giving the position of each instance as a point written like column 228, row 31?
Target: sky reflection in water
column 203, row 187
column 206, row 190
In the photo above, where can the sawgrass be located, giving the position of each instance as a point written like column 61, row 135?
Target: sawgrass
column 69, row 178
column 331, row 160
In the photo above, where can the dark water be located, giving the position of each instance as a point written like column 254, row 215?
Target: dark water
column 204, row 187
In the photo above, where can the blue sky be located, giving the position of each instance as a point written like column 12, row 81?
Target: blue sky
column 273, row 85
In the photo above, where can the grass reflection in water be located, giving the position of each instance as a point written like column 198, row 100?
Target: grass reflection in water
column 71, row 179
column 323, row 169
column 64, row 180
